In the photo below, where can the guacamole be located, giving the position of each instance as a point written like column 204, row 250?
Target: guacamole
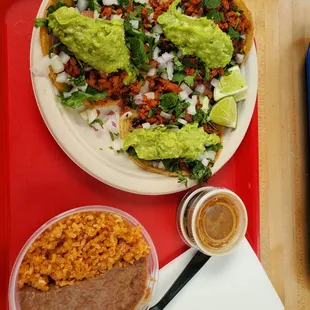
column 100, row 43
column 200, row 37
column 162, row 143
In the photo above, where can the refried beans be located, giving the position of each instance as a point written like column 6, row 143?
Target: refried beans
column 117, row 289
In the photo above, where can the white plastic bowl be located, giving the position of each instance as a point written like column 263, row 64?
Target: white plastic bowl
column 152, row 257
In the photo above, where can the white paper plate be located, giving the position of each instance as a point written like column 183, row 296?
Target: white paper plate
column 90, row 149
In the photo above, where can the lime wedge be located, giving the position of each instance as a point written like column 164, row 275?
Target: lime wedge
column 225, row 112
column 232, row 84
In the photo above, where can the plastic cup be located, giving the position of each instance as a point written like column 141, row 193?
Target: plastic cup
column 188, row 212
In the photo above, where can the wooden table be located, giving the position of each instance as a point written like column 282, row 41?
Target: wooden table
column 282, row 35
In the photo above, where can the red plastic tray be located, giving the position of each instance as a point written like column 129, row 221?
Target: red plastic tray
column 39, row 181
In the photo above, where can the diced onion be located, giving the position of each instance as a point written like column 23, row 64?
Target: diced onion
column 194, row 100
column 155, row 164
column 77, row 10
column 205, row 102
column 183, row 95
column 179, row 54
column 164, row 76
column 239, row 58
column 134, row 23
column 170, row 70
column 145, row 88
column 215, row 82
column 210, row 155
column 73, row 90
column 117, row 144
column 191, row 110
column 64, row 57
column 88, row 68
column 161, row 165
column 156, row 52
column 138, row 99
column 157, row 29
column 153, row 125
column 200, row 88
column 142, row 1
column 162, row 66
column 186, row 88
column 84, row 115
column 57, row 64
column 205, row 162
column 152, row 72
column 66, row 94
column 126, row 115
column 115, row 16
column 151, row 17
column 165, row 115
column 157, row 37
column 112, row 126
column 96, row 14
column 167, row 57
column 82, row 88
column 150, row 95
column 41, row 67
column 109, row 2
column 182, row 121
column 82, row 5
column 161, row 60
column 92, row 114
column 146, row 125
column 243, row 36
column 62, row 77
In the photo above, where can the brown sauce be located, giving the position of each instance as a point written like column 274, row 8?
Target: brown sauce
column 217, row 221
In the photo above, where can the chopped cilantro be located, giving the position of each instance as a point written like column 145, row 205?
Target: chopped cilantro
column 132, row 152
column 207, row 74
column 198, row 171
column 178, row 77
column 215, row 15
column 171, row 103
column 97, row 121
column 233, row 33
column 41, row 22
column 178, row 64
column 139, row 56
column 151, row 112
column 200, row 117
column 111, row 136
column 52, row 8
column 235, row 8
column 132, row 102
column 79, row 81
column 123, row 3
column 215, row 147
column 77, row 98
column 212, row 4
column 94, row 5
column 182, row 178
column 171, row 165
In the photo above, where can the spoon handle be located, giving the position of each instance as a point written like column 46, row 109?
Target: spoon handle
column 190, row 270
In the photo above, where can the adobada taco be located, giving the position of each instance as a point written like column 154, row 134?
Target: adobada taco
column 160, row 74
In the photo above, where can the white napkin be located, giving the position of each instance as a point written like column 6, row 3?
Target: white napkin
column 233, row 282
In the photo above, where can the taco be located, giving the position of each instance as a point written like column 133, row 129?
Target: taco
column 158, row 62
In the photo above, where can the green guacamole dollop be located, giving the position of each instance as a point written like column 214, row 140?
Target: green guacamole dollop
column 163, row 143
column 100, row 43
column 200, row 37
